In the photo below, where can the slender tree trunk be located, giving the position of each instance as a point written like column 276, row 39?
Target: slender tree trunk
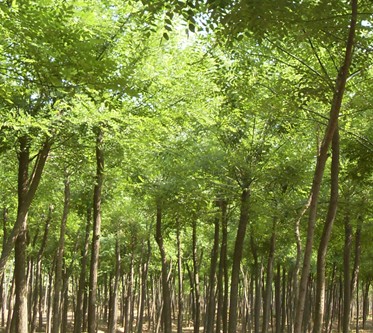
column 347, row 275
column 365, row 303
column 320, row 166
column 269, row 278
column 64, row 301
column 278, row 299
column 197, row 306
column 222, row 279
column 357, row 254
column 327, row 230
column 58, row 279
column 92, row 320
column 82, row 278
column 2, row 276
column 210, row 313
column 166, row 313
column 328, row 312
column 10, row 321
column 180, row 285
column 237, row 255
column 113, row 299
column 144, row 279
column 257, row 277
column 38, row 275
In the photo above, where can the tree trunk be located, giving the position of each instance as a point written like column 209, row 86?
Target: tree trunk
column 166, row 313
column 269, row 278
column 27, row 186
column 365, row 303
column 144, row 279
column 2, row 276
column 92, row 320
column 320, row 166
column 82, row 278
column 197, row 306
column 257, row 282
column 180, row 285
column 327, row 230
column 20, row 313
column 278, row 299
column 222, row 278
column 113, row 298
column 210, row 313
column 346, row 274
column 9, row 320
column 38, row 274
column 237, row 255
column 58, row 279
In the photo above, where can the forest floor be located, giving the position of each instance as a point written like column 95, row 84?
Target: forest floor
column 103, row 329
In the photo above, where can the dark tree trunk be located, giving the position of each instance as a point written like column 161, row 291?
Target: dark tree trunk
column 27, row 186
column 114, row 294
column 65, row 302
column 357, row 254
column 269, row 278
column 82, row 278
column 144, row 279
column 58, row 279
column 320, row 166
column 237, row 255
column 20, row 313
column 346, row 274
column 92, row 320
column 166, row 313
column 222, row 278
column 365, row 303
column 2, row 276
column 327, row 230
column 180, row 285
column 257, row 282
column 210, row 313
column 38, row 276
column 278, row 299
column 9, row 320
column 197, row 305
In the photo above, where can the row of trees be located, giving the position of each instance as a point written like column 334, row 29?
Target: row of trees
column 216, row 178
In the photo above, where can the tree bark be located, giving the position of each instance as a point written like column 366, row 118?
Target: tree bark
column 237, row 255
column 2, row 276
column 210, row 312
column 180, row 285
column 144, row 279
column 197, row 301
column 327, row 230
column 112, row 328
column 38, row 276
column 82, row 278
column 278, row 299
column 269, row 278
column 20, row 313
column 346, row 275
column 27, row 186
column 58, row 279
column 92, row 318
column 166, row 313
column 320, row 165
column 222, row 278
